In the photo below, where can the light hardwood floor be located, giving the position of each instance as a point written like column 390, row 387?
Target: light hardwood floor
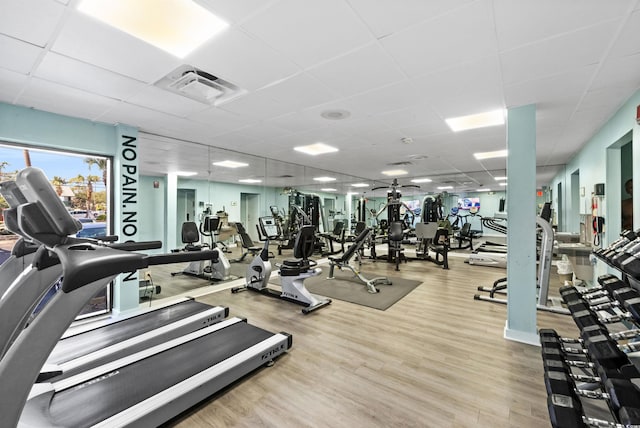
column 436, row 358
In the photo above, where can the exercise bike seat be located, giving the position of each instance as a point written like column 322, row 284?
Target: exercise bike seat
column 295, row 267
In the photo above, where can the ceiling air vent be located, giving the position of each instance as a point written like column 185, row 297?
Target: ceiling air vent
column 199, row 85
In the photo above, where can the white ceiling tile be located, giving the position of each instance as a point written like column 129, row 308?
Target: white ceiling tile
column 11, row 85
column 424, row 129
column 609, row 99
column 555, row 89
column 621, row 72
column 162, row 100
column 367, row 127
column 385, row 17
column 80, row 75
column 553, row 56
column 393, row 97
column 90, row 41
column 419, row 115
column 456, row 92
column 134, row 115
column 18, row 56
column 358, row 71
column 52, row 97
column 234, row 11
column 33, row 21
column 553, row 117
column 236, row 57
column 219, row 121
column 309, row 32
column 299, row 92
column 519, row 23
column 255, row 106
column 298, row 121
column 464, row 35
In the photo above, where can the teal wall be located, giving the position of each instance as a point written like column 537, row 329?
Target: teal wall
column 603, row 160
column 151, row 212
column 48, row 130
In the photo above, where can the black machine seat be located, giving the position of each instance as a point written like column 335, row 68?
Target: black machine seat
column 336, row 235
column 246, row 242
column 191, row 236
column 342, row 262
column 302, row 250
column 434, row 238
column 440, row 246
column 396, row 236
column 360, row 227
column 465, row 234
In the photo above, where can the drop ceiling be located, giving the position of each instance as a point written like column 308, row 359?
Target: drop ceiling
column 398, row 67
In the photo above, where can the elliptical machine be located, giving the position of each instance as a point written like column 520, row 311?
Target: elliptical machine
column 293, row 272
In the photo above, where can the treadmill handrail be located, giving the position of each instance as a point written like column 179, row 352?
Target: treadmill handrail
column 87, row 262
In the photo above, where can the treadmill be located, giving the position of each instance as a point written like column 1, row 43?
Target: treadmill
column 37, row 270
column 127, row 391
column 82, row 351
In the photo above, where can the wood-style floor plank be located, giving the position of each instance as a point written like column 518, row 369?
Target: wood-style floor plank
column 437, row 358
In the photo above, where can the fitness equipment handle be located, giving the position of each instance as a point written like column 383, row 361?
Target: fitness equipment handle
column 85, row 263
column 186, row 256
column 137, row 246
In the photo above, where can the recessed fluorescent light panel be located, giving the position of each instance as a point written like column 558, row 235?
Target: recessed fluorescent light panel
column 249, row 180
column 473, row 121
column 359, row 185
column 483, row 190
column 445, row 187
column 186, row 173
column 421, row 180
column 328, row 189
column 499, row 178
column 324, row 179
column 316, row 149
column 393, row 172
column 175, row 26
column 230, row 164
column 502, row 184
column 490, row 155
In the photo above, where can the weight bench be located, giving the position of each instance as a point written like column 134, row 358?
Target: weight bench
column 343, row 262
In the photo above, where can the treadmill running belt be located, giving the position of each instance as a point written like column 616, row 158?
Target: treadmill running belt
column 82, row 344
column 107, row 395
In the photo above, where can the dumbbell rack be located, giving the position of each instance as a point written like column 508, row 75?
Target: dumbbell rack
column 595, row 371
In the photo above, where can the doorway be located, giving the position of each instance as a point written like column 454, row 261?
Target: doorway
column 574, row 224
column 250, row 212
column 626, row 182
column 329, row 213
column 560, row 197
column 186, row 209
